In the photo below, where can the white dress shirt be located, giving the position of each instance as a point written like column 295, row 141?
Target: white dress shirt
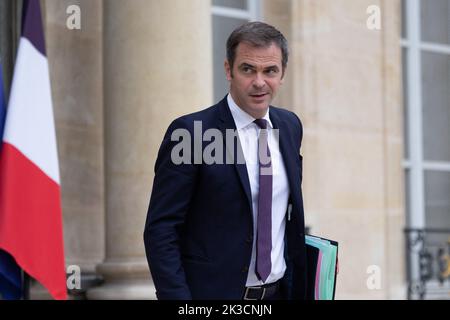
column 248, row 135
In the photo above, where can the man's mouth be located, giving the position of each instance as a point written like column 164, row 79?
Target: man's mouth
column 258, row 95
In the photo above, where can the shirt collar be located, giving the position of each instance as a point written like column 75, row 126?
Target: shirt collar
column 241, row 118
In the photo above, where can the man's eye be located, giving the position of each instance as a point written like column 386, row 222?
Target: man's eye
column 246, row 69
column 271, row 71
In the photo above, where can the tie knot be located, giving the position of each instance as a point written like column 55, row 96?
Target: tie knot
column 262, row 123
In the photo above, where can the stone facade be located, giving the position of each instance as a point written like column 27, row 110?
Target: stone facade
column 136, row 65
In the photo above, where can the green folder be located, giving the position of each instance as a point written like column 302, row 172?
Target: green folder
column 322, row 255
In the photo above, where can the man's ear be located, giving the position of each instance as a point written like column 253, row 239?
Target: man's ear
column 283, row 75
column 227, row 67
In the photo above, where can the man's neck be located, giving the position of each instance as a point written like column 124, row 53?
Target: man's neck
column 256, row 115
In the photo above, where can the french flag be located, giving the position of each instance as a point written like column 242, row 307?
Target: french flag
column 30, row 204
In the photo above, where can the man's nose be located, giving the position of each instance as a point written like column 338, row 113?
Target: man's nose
column 259, row 81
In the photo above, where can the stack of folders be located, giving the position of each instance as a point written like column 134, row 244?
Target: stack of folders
column 322, row 268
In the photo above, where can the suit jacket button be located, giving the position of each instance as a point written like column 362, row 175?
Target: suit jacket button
column 249, row 239
column 244, row 269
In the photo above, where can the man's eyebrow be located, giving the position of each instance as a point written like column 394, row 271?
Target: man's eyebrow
column 246, row 65
column 272, row 67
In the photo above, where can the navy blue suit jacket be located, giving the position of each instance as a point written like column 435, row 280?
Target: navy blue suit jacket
column 198, row 233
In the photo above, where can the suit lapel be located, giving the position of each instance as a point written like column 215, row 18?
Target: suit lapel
column 227, row 122
column 288, row 152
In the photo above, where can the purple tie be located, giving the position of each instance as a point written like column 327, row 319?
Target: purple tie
column 264, row 227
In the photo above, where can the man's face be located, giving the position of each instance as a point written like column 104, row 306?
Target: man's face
column 256, row 76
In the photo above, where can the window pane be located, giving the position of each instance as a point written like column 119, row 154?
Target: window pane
column 405, row 103
column 435, row 21
column 404, row 34
column 222, row 27
column 236, row 4
column 437, row 199
column 436, row 106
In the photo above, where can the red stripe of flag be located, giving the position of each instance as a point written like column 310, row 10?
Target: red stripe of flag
column 31, row 223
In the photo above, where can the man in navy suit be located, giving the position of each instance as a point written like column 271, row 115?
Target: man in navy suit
column 232, row 226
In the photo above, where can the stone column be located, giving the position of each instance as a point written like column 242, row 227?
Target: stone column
column 157, row 66
column 75, row 63
column 394, row 203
